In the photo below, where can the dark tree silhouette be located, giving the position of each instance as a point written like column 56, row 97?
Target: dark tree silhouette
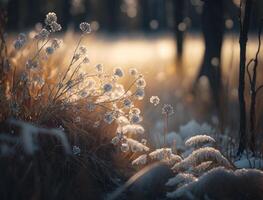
column 179, row 13
column 145, row 15
column 213, row 27
column 244, row 27
column 65, row 8
column 112, row 8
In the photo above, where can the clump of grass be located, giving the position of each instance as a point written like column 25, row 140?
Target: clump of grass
column 57, row 143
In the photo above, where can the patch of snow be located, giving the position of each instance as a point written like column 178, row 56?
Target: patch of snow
column 249, row 163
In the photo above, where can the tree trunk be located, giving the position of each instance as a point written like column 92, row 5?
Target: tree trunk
column 213, row 28
column 244, row 27
column 112, row 17
column 179, row 7
column 145, row 15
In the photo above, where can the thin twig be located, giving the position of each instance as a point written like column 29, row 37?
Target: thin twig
column 248, row 72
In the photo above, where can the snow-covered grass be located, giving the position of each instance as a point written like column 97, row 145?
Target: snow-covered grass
column 182, row 179
column 199, row 140
column 220, row 183
column 90, row 106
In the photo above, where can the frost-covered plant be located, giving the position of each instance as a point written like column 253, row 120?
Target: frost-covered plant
column 155, row 100
column 201, row 155
column 133, row 129
column 199, row 141
column 75, row 88
column 221, row 183
column 161, row 154
column 197, row 163
column 141, row 160
column 181, row 179
column 202, row 168
column 28, row 138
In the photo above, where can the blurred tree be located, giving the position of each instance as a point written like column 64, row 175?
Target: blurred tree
column 259, row 9
column 145, row 15
column 179, row 27
column 13, row 14
column 213, row 27
column 113, row 10
column 65, row 12
column 246, row 6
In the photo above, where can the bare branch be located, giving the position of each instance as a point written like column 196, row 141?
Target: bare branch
column 248, row 72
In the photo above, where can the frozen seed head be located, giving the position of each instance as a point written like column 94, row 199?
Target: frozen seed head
column 18, row 44
column 167, row 109
column 141, row 83
column 91, row 106
column 118, row 72
column 135, row 119
column 20, row 41
column 155, row 100
column 107, row 87
column 109, row 117
column 99, row 68
column 85, row 60
column 43, row 34
column 76, row 56
column 55, row 43
column 139, row 93
column 85, row 27
column 133, row 71
column 135, row 111
column 50, row 18
column 127, row 103
column 31, row 64
column 22, row 37
column 69, row 83
column 50, row 50
column 55, row 27
column 82, row 50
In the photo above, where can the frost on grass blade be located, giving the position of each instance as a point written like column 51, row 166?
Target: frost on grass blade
column 181, row 179
column 141, row 160
column 161, row 154
column 220, row 183
column 122, row 121
column 199, row 140
column 28, row 133
column 174, row 159
column 202, row 168
column 133, row 129
column 155, row 100
column 136, row 146
column 201, row 155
